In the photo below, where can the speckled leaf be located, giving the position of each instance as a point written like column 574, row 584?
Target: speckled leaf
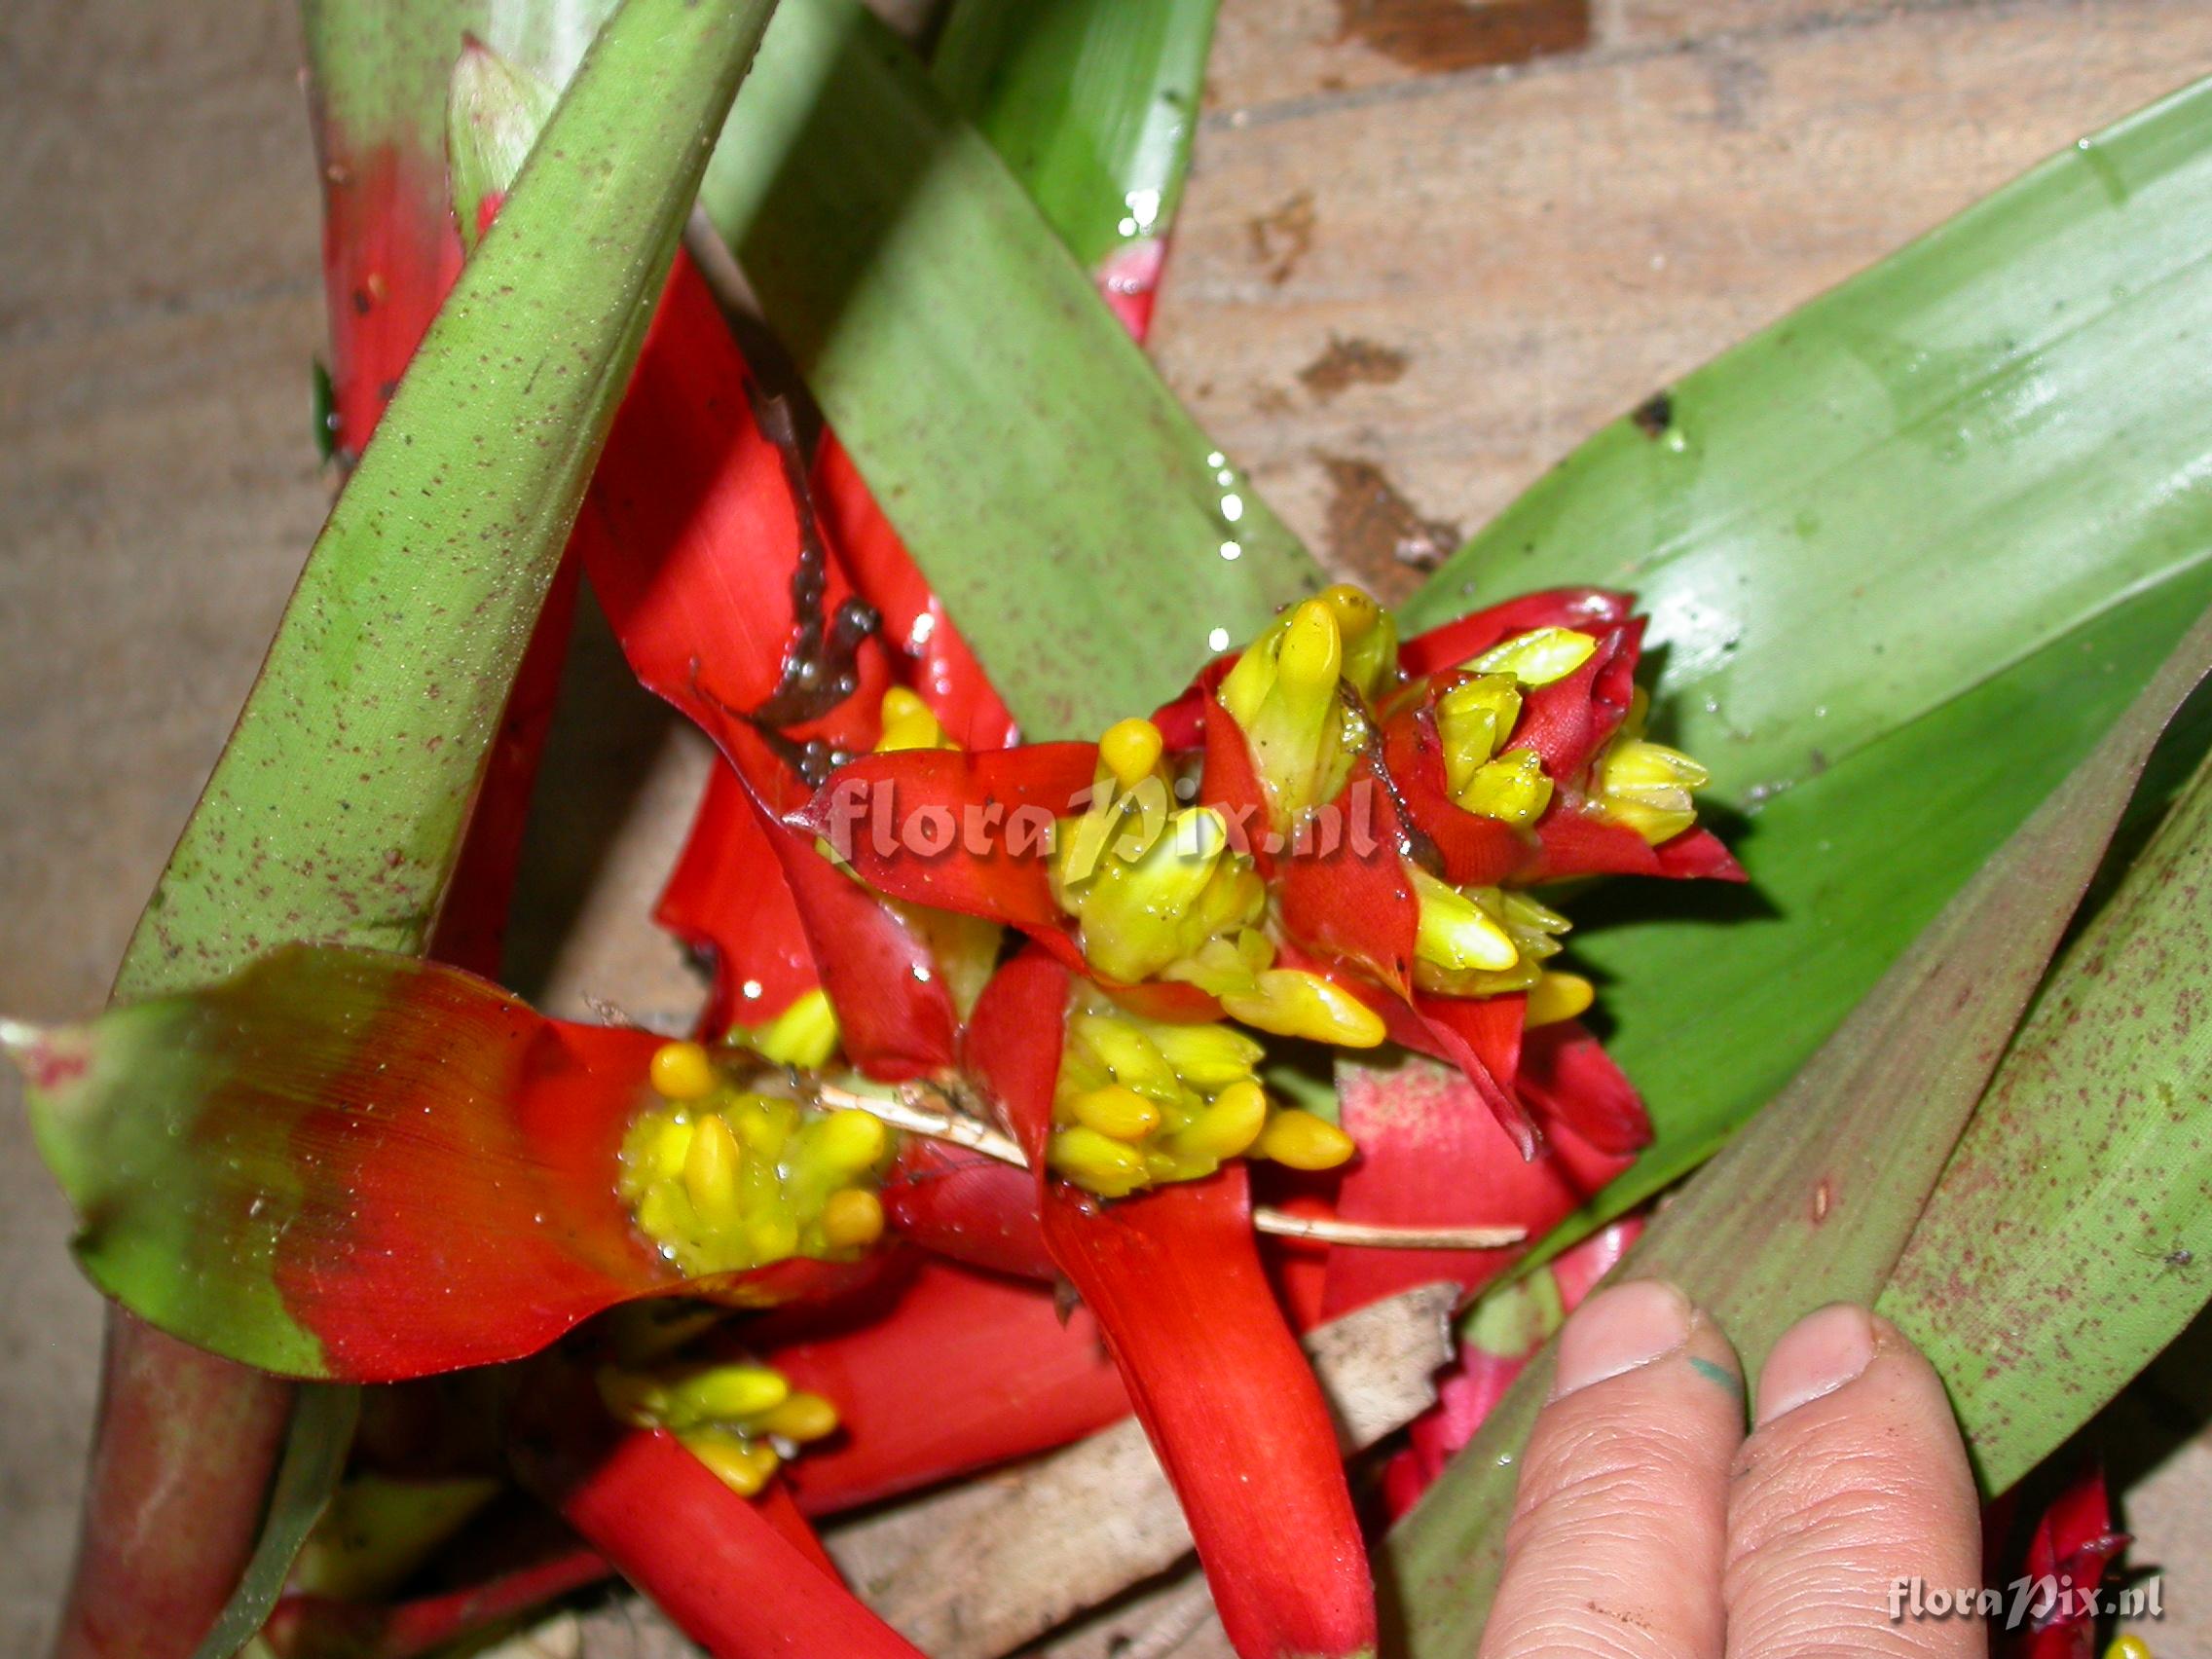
column 2068, row 1240
column 1077, row 523
column 335, row 807
column 1815, row 1201
column 1907, row 553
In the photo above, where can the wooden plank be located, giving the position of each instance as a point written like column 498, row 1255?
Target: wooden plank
column 1522, row 258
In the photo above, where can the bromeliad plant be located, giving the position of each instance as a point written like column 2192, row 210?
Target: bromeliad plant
column 998, row 1028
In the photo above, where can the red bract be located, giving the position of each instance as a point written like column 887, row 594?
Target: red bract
column 1219, row 1383
column 702, row 546
column 1431, row 1155
column 741, row 1578
column 2073, row 1542
column 944, row 1372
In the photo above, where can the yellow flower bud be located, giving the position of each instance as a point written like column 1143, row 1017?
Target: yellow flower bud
column 772, row 1236
column 723, row 1393
column 1129, row 1056
column 848, row 1141
column 852, row 1218
column 710, row 1171
column 907, row 724
column 1098, row 1163
column 1310, row 659
column 1512, row 787
column 1290, row 1002
column 1129, row 751
column 1354, row 609
column 802, row 1418
column 1454, row 932
column 1474, row 719
column 1555, row 997
column 1537, row 658
column 1225, row 1129
column 684, row 1071
column 1117, row 1111
column 804, row 1035
column 1209, row 1058
column 1302, row 1141
column 742, row 1465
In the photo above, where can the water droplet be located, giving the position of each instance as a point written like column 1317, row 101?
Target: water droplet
column 1232, row 550
column 922, row 974
column 924, row 626
column 752, row 990
column 1233, row 507
column 1218, row 640
column 1215, row 458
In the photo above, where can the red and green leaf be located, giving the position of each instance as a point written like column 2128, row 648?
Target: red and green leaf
column 343, row 1163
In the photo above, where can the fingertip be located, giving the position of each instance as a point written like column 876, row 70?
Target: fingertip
column 1820, row 1354
column 1623, row 1327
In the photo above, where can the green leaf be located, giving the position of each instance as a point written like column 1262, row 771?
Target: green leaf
column 2067, row 1243
column 315, row 1457
column 1091, row 104
column 1815, row 1201
column 1072, row 517
column 1907, row 554
column 337, row 806
column 494, row 112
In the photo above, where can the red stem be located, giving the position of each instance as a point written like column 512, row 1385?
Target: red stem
column 186, row 1448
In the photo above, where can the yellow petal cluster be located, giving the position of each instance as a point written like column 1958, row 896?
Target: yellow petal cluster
column 741, row 1420
column 1142, row 1101
column 721, row 1178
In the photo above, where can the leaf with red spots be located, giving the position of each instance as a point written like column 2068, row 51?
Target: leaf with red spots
column 1904, row 1151
column 343, row 1164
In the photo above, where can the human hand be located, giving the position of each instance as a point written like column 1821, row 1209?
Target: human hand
column 1647, row 1524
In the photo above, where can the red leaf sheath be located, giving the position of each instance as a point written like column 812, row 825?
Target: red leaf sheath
column 721, row 1566
column 1432, row 1155
column 949, row 1372
column 1222, row 1387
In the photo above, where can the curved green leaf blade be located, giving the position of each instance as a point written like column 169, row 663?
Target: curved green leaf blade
column 1907, row 553
column 1091, row 104
column 315, row 1457
column 1088, row 539
column 2067, row 1244
column 335, row 810
column 1815, row 1201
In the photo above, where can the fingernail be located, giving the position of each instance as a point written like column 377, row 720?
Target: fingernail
column 1618, row 1329
column 1816, row 1356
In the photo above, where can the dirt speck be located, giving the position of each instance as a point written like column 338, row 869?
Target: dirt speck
column 1654, row 415
column 1372, row 526
column 1351, row 362
column 1436, row 37
column 1283, row 235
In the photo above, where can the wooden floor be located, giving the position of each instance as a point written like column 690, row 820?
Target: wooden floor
column 1429, row 244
